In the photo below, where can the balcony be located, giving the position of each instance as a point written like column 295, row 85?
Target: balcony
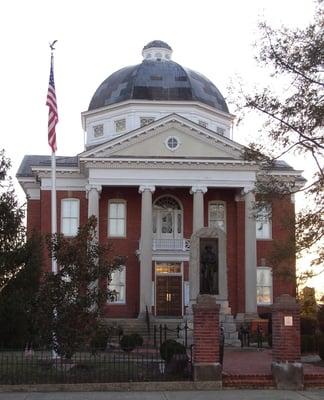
column 171, row 244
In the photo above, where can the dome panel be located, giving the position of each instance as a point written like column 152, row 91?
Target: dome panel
column 157, row 79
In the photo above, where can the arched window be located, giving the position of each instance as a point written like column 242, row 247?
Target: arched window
column 167, row 218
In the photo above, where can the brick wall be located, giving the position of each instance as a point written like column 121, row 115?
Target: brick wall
column 206, row 332
column 285, row 330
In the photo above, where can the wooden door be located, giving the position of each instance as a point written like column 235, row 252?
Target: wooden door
column 169, row 295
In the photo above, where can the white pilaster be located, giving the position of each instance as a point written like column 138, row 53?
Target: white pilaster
column 198, row 207
column 250, row 254
column 146, row 249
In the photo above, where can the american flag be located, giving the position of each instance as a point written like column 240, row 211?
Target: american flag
column 52, row 110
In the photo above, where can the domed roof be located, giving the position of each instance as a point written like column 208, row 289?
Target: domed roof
column 157, row 78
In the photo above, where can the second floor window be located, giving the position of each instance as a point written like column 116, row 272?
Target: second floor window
column 217, row 215
column 70, row 211
column 117, row 219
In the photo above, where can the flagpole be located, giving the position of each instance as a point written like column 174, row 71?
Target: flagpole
column 53, row 209
column 52, row 121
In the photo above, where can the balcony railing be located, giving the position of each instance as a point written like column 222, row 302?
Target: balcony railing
column 171, row 244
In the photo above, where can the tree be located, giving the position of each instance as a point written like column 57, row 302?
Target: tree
column 70, row 303
column 293, row 122
column 12, row 230
column 18, row 299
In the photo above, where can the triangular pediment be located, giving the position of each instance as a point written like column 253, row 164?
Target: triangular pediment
column 189, row 140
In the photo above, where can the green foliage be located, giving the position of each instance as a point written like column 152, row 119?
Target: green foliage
column 100, row 339
column 17, row 299
column 129, row 342
column 308, row 305
column 308, row 343
column 320, row 318
column 171, row 347
column 308, row 325
column 12, row 230
column 70, row 302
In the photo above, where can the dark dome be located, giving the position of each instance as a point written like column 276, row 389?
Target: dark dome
column 156, row 79
column 157, row 43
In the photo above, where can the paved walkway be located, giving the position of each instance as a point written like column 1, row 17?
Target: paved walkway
column 179, row 395
column 254, row 362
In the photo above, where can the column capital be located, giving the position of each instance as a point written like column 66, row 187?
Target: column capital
column 90, row 187
column 198, row 188
column 142, row 188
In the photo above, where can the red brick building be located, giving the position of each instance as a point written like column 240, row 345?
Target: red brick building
column 159, row 164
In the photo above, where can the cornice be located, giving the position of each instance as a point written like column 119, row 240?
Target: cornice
column 115, row 163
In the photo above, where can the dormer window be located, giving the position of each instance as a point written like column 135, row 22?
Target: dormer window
column 98, row 130
column 120, row 125
column 203, row 123
column 147, row 120
column 220, row 131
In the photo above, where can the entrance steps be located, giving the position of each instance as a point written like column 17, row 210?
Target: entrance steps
column 253, row 381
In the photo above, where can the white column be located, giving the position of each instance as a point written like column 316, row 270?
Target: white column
column 93, row 195
column 250, row 254
column 146, row 249
column 198, row 207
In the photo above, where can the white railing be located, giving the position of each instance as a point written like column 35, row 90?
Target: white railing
column 171, row 244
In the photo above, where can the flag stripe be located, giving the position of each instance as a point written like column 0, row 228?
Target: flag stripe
column 52, row 110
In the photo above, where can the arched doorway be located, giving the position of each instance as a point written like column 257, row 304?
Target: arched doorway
column 167, row 218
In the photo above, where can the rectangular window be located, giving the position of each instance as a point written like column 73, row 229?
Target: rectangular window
column 203, row 123
column 263, row 221
column 98, row 130
column 217, row 215
column 120, row 125
column 117, row 285
column 264, row 285
column 146, row 121
column 220, row 131
column 117, row 219
column 70, row 210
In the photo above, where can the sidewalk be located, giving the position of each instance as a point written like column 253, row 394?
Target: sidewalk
column 192, row 395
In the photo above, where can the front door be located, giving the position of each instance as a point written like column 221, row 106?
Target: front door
column 169, row 295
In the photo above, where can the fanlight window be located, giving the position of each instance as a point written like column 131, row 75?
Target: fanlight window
column 167, row 203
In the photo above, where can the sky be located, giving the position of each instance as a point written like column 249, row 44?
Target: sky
column 97, row 37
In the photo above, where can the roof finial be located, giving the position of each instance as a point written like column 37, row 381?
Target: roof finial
column 157, row 50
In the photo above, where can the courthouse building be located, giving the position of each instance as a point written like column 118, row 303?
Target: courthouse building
column 161, row 171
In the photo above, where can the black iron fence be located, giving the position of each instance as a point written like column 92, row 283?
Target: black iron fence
column 40, row 367
column 182, row 333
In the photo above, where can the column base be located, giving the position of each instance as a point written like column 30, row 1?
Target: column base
column 288, row 376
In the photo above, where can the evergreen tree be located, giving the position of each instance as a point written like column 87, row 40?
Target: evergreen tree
column 70, row 303
column 12, row 229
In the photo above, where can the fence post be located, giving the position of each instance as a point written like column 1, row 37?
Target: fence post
column 206, row 340
column 286, row 367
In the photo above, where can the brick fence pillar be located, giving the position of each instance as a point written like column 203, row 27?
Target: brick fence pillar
column 286, row 367
column 206, row 337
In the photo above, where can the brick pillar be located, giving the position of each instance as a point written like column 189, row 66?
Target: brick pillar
column 206, row 337
column 286, row 366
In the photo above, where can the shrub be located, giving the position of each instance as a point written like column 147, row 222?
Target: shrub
column 100, row 338
column 308, row 343
column 308, row 325
column 321, row 347
column 129, row 342
column 171, row 347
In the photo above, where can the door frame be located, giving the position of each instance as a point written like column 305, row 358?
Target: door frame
column 169, row 274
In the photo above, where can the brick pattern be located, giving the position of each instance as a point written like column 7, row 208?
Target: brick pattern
column 38, row 218
column 285, row 339
column 206, row 333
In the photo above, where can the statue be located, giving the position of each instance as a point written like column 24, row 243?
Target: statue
column 208, row 271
